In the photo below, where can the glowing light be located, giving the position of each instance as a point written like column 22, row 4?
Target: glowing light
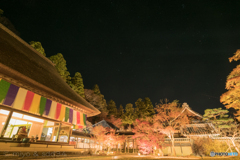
column 18, row 115
column 33, row 119
column 139, row 154
column 4, row 112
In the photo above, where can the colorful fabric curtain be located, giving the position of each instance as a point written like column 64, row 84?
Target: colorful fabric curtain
column 34, row 108
column 85, row 119
column 62, row 113
column 66, row 114
column 53, row 108
column 28, row 100
column 70, row 115
column 47, row 107
column 20, row 98
column 11, row 95
column 43, row 102
column 4, row 86
column 74, row 117
column 58, row 110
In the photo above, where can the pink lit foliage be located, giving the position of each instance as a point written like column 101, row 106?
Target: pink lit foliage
column 169, row 119
column 147, row 138
column 115, row 121
column 107, row 137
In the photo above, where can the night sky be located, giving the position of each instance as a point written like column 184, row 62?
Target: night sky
column 136, row 49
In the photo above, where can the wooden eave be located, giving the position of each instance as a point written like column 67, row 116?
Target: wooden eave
column 22, row 65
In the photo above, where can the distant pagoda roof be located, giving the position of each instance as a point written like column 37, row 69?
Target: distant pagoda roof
column 186, row 108
column 22, row 65
column 105, row 124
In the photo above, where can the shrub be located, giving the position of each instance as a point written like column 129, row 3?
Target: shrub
column 203, row 146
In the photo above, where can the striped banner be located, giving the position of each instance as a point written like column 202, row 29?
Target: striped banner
column 42, row 105
column 74, row 117
column 53, row 108
column 34, row 108
column 78, row 118
column 70, row 115
column 81, row 119
column 11, row 95
column 85, row 119
column 66, row 114
column 62, row 113
column 4, row 86
column 47, row 107
column 58, row 110
column 28, row 100
column 20, row 98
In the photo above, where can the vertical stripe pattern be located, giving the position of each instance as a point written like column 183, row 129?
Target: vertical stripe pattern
column 34, row 108
column 4, row 86
column 20, row 98
column 11, row 95
column 28, row 100
column 47, row 107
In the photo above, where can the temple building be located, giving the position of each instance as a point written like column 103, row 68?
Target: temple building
column 33, row 96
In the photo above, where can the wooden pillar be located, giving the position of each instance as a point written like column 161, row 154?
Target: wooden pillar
column 60, row 124
column 6, row 123
column 128, row 145
column 125, row 145
column 70, row 133
column 133, row 145
column 83, row 142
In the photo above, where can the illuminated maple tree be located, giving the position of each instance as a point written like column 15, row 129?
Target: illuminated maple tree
column 99, row 133
column 231, row 98
column 147, row 138
column 115, row 121
column 168, row 119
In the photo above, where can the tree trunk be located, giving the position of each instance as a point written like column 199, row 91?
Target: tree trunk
column 125, row 146
column 173, row 148
column 160, row 151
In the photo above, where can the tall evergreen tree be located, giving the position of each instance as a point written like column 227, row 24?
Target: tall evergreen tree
column 129, row 116
column 95, row 98
column 120, row 112
column 76, row 83
column 112, row 108
column 61, row 66
column 96, row 89
column 38, row 47
column 144, row 108
column 219, row 117
column 227, row 127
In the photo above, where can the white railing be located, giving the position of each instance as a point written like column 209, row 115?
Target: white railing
column 178, row 139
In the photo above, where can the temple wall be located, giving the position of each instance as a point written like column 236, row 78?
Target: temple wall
column 180, row 150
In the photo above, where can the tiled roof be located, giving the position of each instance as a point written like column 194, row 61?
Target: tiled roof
column 198, row 129
column 105, row 124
